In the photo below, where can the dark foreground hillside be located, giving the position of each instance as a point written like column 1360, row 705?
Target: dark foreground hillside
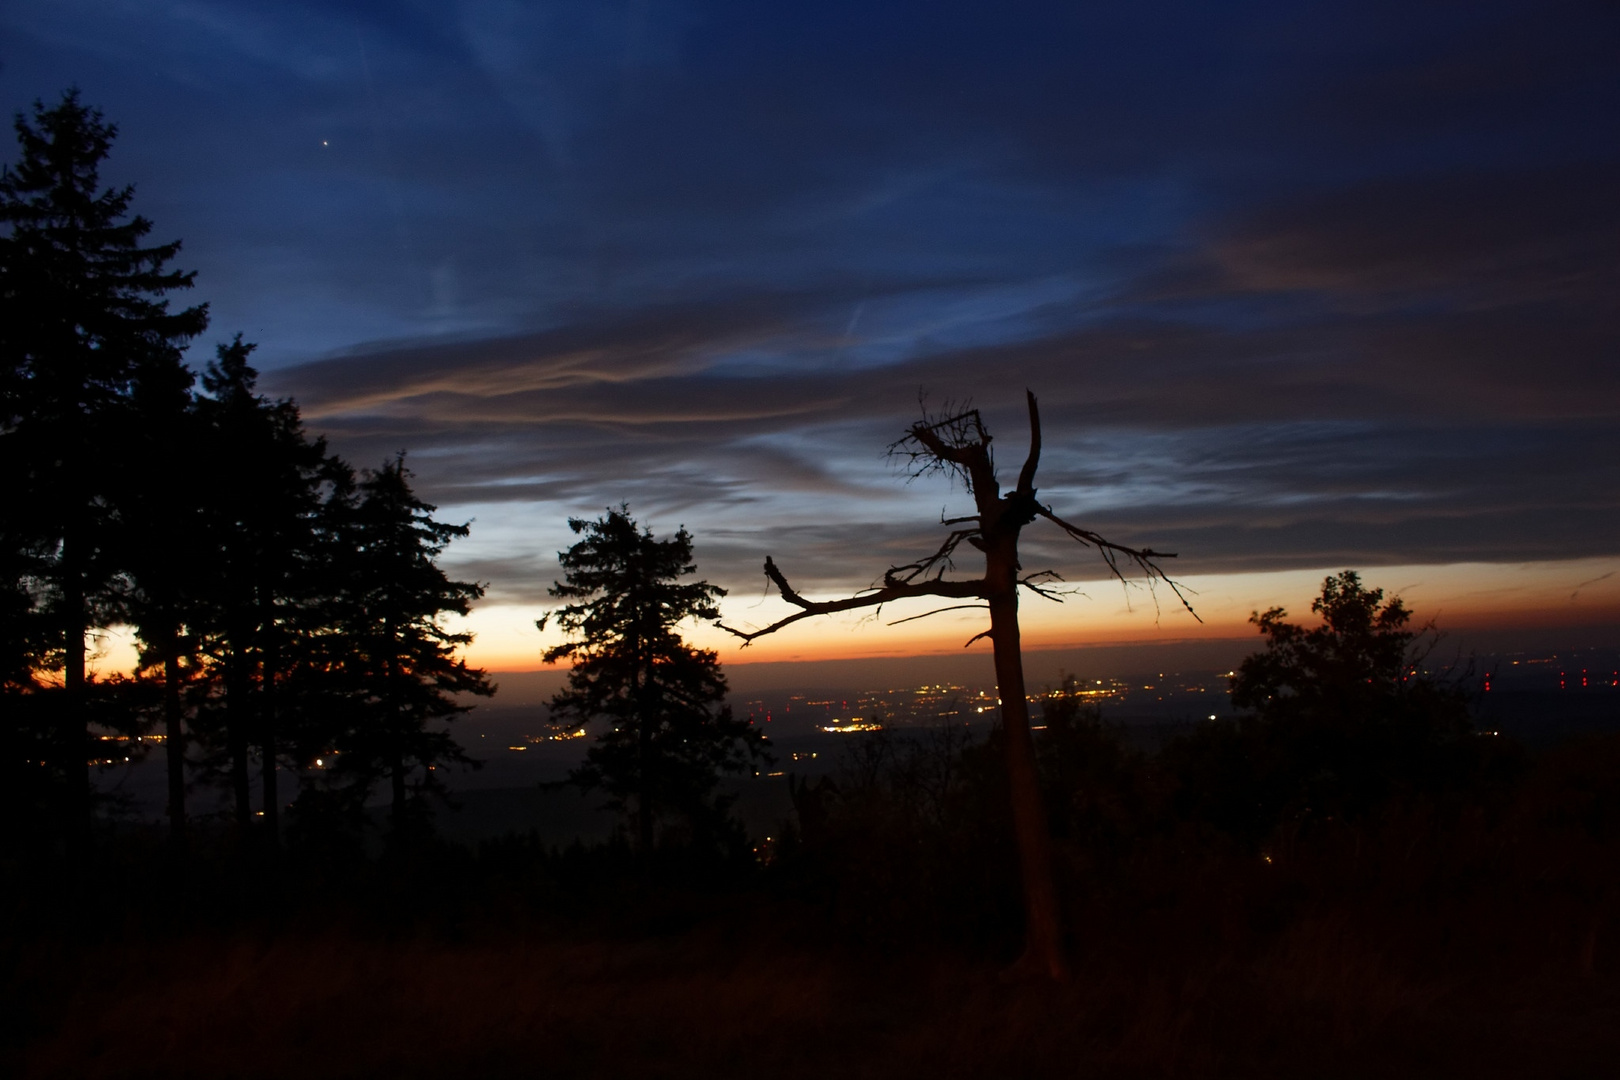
column 1327, row 995
column 1476, row 938
column 1325, row 998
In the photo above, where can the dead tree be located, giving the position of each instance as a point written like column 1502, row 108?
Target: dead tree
column 958, row 444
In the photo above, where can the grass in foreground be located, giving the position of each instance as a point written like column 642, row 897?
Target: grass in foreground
column 736, row 995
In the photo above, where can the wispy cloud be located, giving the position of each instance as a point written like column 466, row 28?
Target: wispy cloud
column 1296, row 288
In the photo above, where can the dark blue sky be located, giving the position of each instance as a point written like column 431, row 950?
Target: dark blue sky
column 1298, row 285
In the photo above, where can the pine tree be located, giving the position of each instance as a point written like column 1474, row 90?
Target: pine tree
column 391, row 648
column 669, row 736
column 262, row 479
column 164, row 551
column 30, row 769
column 83, row 320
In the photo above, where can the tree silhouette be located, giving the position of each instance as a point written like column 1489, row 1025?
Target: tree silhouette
column 164, row 552
column 83, row 320
column 1344, row 715
column 262, row 475
column 385, row 642
column 1359, row 653
column 959, row 445
column 670, row 737
column 31, row 766
column 291, row 605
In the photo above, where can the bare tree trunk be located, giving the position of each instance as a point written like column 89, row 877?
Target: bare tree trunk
column 644, row 822
column 396, row 756
column 1001, row 521
column 174, row 743
column 269, row 780
column 959, row 444
column 644, row 753
column 1043, row 942
column 74, row 720
column 268, row 740
column 236, row 736
column 644, row 803
column 396, row 812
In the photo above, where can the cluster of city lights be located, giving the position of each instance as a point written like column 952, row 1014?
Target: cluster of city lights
column 838, row 727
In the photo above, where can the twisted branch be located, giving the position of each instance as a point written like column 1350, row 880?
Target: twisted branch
column 939, row 610
column 1026, row 475
column 1112, row 552
column 900, row 590
column 1029, row 583
column 940, row 558
column 958, row 443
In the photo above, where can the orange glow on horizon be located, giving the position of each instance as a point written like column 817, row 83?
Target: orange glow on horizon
column 1459, row 596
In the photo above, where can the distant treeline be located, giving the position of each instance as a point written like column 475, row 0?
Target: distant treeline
column 287, row 608
column 1345, row 738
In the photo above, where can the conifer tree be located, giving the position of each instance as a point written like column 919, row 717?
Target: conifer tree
column 83, row 319
column 669, row 736
column 164, row 551
column 392, row 649
column 262, row 476
column 30, row 770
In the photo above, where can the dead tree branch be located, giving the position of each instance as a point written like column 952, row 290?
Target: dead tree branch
column 956, row 443
column 941, row 610
column 1026, row 475
column 1111, row 553
column 1029, row 583
column 954, row 590
column 898, row 575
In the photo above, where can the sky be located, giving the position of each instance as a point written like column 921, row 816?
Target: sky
column 1299, row 287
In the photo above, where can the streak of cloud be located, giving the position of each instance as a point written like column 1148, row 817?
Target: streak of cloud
column 1297, row 287
column 1589, row 581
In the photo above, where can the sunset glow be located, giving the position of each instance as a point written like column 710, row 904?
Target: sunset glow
column 1582, row 596
column 1292, row 301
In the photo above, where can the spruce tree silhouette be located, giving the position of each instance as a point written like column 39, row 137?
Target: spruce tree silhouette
column 30, row 763
column 395, row 654
column 292, row 605
column 669, row 736
column 83, row 320
column 164, row 550
column 959, row 445
column 262, row 475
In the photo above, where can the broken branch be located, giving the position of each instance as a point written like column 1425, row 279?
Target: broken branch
column 1029, row 583
column 1026, row 476
column 1111, row 552
column 896, row 575
column 899, row 590
column 936, row 611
